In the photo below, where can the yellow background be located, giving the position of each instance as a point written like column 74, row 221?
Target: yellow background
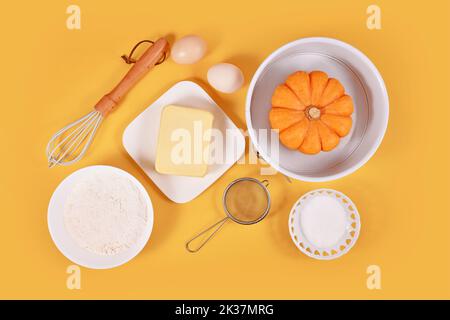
column 51, row 75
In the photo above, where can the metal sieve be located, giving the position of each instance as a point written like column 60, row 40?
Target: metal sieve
column 246, row 201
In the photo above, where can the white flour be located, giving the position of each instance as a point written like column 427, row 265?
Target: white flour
column 105, row 213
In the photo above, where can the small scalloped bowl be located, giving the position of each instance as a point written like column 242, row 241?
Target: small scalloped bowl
column 342, row 246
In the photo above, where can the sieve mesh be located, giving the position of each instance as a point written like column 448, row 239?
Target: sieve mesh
column 246, row 201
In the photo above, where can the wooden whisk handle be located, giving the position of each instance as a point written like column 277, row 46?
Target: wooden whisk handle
column 145, row 63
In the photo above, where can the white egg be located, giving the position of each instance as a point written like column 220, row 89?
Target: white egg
column 188, row 50
column 225, row 77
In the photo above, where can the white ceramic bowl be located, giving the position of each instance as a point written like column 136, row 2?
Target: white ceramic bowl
column 347, row 241
column 67, row 245
column 361, row 80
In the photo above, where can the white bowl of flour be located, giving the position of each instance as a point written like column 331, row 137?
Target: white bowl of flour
column 100, row 217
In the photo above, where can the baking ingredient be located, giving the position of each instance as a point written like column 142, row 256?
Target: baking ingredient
column 105, row 213
column 225, row 77
column 188, row 50
column 311, row 112
column 183, row 141
column 323, row 221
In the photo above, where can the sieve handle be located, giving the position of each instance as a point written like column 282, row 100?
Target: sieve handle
column 214, row 229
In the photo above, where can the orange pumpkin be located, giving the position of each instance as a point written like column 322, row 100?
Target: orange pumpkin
column 311, row 112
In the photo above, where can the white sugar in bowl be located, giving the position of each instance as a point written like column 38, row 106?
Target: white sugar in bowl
column 324, row 224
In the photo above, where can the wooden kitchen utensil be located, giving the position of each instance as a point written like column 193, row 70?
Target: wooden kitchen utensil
column 70, row 143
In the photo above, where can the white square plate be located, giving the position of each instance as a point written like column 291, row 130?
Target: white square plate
column 141, row 137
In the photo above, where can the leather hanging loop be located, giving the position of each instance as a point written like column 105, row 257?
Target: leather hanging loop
column 129, row 58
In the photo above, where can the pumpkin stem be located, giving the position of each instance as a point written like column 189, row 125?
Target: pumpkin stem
column 313, row 113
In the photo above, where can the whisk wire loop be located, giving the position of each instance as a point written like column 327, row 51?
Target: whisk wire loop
column 63, row 146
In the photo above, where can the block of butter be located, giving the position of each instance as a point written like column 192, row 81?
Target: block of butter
column 183, row 141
